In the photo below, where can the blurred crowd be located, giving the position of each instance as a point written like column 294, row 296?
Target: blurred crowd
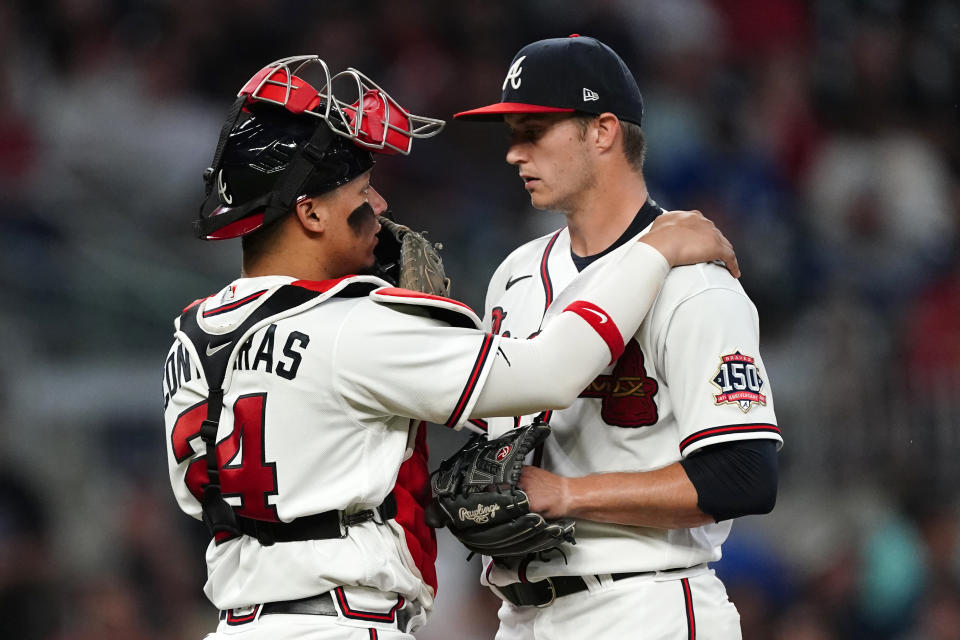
column 821, row 135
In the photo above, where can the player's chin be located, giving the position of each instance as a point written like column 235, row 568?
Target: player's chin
column 365, row 267
column 538, row 202
column 543, row 204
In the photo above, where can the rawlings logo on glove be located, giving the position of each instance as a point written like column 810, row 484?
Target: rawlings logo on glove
column 480, row 515
column 477, row 498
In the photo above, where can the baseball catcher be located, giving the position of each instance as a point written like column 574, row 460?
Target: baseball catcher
column 476, row 497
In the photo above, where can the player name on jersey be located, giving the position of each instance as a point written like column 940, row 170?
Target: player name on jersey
column 260, row 352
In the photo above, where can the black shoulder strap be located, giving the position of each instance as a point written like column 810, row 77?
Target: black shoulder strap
column 214, row 353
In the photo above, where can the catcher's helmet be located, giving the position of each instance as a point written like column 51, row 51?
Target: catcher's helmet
column 283, row 139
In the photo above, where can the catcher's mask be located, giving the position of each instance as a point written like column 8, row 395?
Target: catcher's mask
column 283, row 139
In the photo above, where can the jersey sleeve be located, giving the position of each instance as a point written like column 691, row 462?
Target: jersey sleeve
column 392, row 361
column 493, row 426
column 712, row 365
column 494, row 288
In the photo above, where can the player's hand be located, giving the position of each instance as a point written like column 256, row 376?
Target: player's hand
column 547, row 492
column 687, row 237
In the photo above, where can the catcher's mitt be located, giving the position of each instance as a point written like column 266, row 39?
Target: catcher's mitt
column 407, row 259
column 476, row 497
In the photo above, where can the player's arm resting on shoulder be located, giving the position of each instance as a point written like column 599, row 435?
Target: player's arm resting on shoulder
column 720, row 482
column 687, row 237
column 550, row 370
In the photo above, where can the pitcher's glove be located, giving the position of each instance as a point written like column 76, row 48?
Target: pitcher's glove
column 407, row 259
column 476, row 497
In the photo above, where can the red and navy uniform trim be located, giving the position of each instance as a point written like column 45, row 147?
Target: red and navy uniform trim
column 711, row 432
column 196, row 302
column 471, row 385
column 357, row 614
column 479, row 424
column 545, row 273
column 236, row 304
column 234, row 620
column 688, row 609
column 522, row 569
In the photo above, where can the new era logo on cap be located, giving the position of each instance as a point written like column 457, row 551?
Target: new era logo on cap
column 564, row 75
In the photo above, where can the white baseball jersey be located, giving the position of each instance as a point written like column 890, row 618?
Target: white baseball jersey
column 316, row 417
column 691, row 376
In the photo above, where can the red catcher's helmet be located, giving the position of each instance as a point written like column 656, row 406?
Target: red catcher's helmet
column 283, row 139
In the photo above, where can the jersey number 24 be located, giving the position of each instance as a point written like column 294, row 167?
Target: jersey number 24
column 251, row 478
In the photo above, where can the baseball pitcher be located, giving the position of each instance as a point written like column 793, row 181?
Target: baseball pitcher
column 671, row 441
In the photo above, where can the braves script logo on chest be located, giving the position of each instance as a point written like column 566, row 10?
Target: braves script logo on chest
column 739, row 381
column 627, row 393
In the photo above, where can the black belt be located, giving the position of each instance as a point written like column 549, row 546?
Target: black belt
column 543, row 592
column 322, row 526
column 321, row 605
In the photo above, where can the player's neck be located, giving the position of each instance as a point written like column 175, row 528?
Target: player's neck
column 605, row 214
column 301, row 263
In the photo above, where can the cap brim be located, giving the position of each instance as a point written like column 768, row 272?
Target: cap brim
column 497, row 111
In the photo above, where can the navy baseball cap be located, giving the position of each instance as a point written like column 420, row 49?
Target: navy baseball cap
column 566, row 75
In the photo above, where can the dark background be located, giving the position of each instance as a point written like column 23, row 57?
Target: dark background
column 821, row 136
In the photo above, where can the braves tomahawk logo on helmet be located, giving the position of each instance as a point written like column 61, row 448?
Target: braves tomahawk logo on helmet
column 285, row 139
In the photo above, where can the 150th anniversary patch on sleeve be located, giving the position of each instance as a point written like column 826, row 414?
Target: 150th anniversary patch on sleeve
column 739, row 382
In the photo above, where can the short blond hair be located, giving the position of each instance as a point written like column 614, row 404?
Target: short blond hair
column 634, row 142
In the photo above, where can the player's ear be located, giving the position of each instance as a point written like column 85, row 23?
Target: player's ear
column 312, row 214
column 604, row 132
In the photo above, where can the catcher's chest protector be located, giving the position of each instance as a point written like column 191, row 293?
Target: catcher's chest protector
column 214, row 352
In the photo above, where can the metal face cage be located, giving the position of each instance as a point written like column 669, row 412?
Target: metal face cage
column 351, row 104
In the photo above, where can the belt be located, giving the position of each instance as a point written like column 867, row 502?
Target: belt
column 543, row 592
column 320, row 605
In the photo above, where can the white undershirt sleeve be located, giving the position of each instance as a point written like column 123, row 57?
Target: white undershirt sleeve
column 550, row 370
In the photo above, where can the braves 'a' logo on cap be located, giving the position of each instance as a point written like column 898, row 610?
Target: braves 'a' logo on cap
column 739, row 381
column 513, row 74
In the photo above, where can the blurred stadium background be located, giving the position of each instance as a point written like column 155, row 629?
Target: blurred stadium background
column 821, row 135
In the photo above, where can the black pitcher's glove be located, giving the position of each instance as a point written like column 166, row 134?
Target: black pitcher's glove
column 476, row 497
column 407, row 259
